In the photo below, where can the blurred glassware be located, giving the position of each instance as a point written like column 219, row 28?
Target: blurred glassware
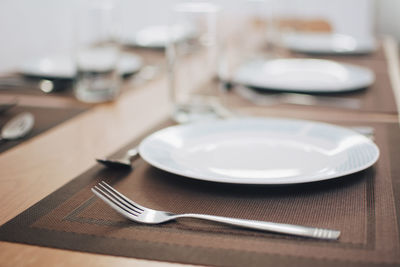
column 246, row 62
column 193, row 62
column 97, row 52
column 250, row 33
column 263, row 21
column 298, row 17
column 157, row 36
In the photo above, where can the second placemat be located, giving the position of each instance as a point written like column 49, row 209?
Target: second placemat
column 45, row 119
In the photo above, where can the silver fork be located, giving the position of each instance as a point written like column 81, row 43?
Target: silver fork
column 138, row 213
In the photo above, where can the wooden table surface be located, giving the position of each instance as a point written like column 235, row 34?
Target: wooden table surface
column 36, row 168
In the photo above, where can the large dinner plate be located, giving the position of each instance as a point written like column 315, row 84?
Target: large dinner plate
column 259, row 151
column 328, row 43
column 303, row 75
column 63, row 67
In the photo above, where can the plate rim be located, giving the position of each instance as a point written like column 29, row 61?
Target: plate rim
column 358, row 50
column 257, row 181
column 26, row 69
column 337, row 89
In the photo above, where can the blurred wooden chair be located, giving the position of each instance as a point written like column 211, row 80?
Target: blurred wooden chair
column 305, row 25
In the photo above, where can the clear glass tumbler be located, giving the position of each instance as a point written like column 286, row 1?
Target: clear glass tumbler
column 193, row 61
column 249, row 35
column 96, row 52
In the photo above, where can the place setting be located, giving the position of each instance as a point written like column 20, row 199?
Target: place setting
column 93, row 70
column 246, row 168
column 327, row 70
column 268, row 80
column 19, row 123
column 222, row 166
column 302, row 82
column 56, row 74
column 213, row 183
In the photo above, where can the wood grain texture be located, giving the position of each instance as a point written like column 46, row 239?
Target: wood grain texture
column 23, row 255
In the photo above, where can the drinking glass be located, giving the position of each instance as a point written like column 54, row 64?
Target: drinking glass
column 96, row 52
column 250, row 33
column 193, row 59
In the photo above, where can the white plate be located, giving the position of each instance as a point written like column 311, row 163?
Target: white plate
column 259, row 151
column 63, row 67
column 158, row 36
column 328, row 43
column 303, row 75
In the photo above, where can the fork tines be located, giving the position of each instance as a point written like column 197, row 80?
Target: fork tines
column 116, row 200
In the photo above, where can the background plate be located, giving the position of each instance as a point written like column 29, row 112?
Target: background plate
column 303, row 75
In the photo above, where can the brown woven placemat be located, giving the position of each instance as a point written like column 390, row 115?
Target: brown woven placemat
column 378, row 97
column 364, row 206
column 45, row 119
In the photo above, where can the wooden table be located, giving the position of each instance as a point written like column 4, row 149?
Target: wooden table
column 34, row 169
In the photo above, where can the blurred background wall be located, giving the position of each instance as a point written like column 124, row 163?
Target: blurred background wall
column 388, row 17
column 44, row 27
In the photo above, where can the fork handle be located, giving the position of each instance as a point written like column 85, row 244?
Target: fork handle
column 298, row 230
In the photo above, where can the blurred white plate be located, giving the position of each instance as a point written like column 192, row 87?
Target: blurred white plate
column 259, row 151
column 63, row 67
column 158, row 36
column 328, row 43
column 303, row 75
